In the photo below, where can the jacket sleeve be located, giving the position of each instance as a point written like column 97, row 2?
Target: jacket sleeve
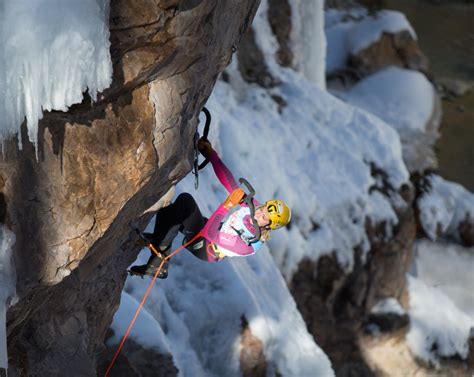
column 223, row 173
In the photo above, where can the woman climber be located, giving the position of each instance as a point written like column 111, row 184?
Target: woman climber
column 230, row 232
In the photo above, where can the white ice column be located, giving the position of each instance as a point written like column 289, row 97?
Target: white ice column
column 312, row 41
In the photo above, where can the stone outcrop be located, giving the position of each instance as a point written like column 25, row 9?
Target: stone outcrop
column 336, row 304
column 100, row 166
column 460, row 230
column 252, row 64
column 136, row 361
column 391, row 49
column 252, row 358
column 466, row 231
column 279, row 17
column 390, row 355
column 449, row 87
column 399, row 49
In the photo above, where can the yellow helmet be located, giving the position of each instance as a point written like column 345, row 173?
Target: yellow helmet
column 279, row 213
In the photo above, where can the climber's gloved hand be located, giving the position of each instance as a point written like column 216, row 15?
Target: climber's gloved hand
column 205, row 147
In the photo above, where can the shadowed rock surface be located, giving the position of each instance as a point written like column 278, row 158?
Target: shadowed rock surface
column 279, row 17
column 136, row 361
column 252, row 64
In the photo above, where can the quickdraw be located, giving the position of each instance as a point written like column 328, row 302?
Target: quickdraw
column 201, row 166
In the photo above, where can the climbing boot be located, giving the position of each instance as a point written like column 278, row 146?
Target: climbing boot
column 151, row 267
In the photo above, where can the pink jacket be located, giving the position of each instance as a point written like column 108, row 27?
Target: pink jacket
column 231, row 242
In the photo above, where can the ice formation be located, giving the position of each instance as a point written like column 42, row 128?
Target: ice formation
column 51, row 52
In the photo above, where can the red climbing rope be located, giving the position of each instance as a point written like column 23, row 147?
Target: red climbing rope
column 146, row 295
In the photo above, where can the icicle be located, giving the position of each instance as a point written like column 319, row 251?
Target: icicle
column 312, row 46
column 50, row 54
column 315, row 41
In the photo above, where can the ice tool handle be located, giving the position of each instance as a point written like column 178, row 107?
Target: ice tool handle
column 198, row 166
column 206, row 133
column 248, row 200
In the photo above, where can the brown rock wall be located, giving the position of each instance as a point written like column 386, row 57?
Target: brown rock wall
column 136, row 361
column 102, row 165
column 279, row 17
column 398, row 49
column 252, row 64
column 466, row 231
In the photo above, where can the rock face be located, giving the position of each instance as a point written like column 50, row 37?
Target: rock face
column 252, row 358
column 100, row 167
column 279, row 17
column 252, row 65
column 466, row 231
column 452, row 87
column 136, row 361
column 336, row 305
column 398, row 49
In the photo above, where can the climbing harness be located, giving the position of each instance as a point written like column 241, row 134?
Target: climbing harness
column 201, row 166
column 214, row 252
column 237, row 197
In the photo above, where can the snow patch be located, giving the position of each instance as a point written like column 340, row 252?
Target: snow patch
column 380, row 210
column 388, row 305
column 407, row 101
column 444, row 207
column 370, row 30
column 437, row 326
column 403, row 98
column 448, row 268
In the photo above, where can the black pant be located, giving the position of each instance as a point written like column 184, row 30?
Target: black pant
column 181, row 216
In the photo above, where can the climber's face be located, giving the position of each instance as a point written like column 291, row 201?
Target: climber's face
column 262, row 217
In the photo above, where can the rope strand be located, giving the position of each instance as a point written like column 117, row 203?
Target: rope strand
column 150, row 286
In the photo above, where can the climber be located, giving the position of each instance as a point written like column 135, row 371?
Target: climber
column 228, row 233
